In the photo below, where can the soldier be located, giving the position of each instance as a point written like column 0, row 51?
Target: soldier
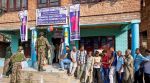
column 41, row 45
column 16, row 66
column 7, row 60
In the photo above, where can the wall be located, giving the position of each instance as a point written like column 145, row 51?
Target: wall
column 122, row 41
column 95, row 13
column 145, row 20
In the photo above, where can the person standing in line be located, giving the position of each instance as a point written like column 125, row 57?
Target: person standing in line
column 139, row 59
column 81, row 58
column 128, row 67
column 41, row 45
column 7, row 60
column 113, row 63
column 89, row 68
column 119, row 67
column 16, row 66
column 147, row 67
column 105, row 66
column 96, row 68
column 73, row 64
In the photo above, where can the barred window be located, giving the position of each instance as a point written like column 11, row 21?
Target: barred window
column 84, row 1
column 13, row 5
column 48, row 3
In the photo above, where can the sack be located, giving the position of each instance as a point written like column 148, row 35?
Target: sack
column 24, row 64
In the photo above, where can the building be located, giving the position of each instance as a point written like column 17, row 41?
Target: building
column 144, row 26
column 103, row 23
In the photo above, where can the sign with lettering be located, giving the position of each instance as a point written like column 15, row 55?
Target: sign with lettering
column 53, row 15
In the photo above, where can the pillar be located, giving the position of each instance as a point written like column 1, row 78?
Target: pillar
column 33, row 50
column 66, row 34
column 135, row 36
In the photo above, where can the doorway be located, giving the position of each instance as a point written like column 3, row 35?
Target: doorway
column 56, row 43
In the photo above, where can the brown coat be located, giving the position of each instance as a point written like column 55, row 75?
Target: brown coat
column 128, row 68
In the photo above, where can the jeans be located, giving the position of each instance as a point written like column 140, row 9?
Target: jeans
column 147, row 78
column 62, row 62
column 112, row 75
column 96, row 75
column 138, row 77
column 106, row 75
column 119, row 77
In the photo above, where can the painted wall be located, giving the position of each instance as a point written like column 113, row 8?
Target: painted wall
column 14, row 43
column 122, row 41
column 99, row 32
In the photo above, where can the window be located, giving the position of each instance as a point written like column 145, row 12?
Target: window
column 48, row 3
column 84, row 1
column 13, row 5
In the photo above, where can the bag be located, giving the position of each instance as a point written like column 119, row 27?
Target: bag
column 24, row 64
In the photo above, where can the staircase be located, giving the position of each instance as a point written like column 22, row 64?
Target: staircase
column 51, row 75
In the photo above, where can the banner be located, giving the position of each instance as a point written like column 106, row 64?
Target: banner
column 23, row 29
column 74, row 15
column 53, row 15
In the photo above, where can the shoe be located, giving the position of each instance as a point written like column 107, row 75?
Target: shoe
column 61, row 69
column 43, row 69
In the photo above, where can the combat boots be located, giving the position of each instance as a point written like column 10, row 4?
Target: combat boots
column 41, row 69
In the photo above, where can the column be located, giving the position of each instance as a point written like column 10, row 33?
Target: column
column 135, row 36
column 66, row 34
column 33, row 50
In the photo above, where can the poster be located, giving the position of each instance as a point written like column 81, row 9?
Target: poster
column 74, row 15
column 23, row 29
column 53, row 15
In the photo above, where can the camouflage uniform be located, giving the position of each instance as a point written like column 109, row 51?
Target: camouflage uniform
column 16, row 67
column 7, row 60
column 41, row 45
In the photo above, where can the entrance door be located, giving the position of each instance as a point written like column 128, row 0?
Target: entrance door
column 56, row 43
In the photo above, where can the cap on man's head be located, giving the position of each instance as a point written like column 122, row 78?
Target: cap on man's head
column 20, row 48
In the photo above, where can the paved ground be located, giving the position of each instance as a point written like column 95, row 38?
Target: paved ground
column 51, row 75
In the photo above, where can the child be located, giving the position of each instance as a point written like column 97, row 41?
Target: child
column 89, row 68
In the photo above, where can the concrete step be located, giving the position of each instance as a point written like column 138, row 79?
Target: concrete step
column 52, row 75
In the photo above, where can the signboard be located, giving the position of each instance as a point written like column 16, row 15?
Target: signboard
column 74, row 15
column 23, row 15
column 53, row 15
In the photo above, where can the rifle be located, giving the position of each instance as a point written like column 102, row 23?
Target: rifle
column 9, row 71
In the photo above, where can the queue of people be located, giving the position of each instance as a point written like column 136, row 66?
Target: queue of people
column 108, row 66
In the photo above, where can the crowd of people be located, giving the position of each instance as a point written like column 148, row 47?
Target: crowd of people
column 99, row 66
column 107, row 66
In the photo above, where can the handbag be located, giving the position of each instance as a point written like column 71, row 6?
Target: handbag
column 24, row 64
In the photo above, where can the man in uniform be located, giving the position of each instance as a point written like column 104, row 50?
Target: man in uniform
column 16, row 66
column 41, row 45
